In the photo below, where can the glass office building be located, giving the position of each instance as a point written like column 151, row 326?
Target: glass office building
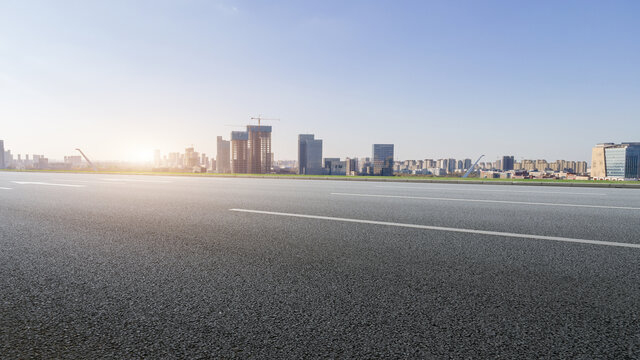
column 616, row 161
column 309, row 155
column 383, row 159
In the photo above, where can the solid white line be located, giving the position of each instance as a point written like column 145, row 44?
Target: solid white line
column 44, row 183
column 488, row 201
column 5, row 188
column 440, row 228
column 490, row 190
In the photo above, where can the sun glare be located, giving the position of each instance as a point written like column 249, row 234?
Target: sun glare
column 143, row 156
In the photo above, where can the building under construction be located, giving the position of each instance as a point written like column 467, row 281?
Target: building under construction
column 259, row 147
column 251, row 150
column 239, row 152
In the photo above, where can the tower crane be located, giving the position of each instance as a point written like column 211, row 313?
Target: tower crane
column 260, row 118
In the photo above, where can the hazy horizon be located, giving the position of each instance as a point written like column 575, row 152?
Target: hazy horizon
column 118, row 79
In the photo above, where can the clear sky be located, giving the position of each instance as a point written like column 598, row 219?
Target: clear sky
column 451, row 78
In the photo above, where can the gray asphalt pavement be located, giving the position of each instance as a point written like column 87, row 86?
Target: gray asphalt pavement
column 108, row 266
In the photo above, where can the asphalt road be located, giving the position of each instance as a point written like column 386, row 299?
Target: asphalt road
column 106, row 266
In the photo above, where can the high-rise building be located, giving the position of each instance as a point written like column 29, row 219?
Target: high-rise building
column 309, row 155
column 467, row 164
column 8, row 158
column 191, row 158
column 364, row 166
column 383, row 159
column 430, row 163
column 259, row 149
column 451, row 165
column 352, row 166
column 2, row 164
column 581, row 167
column 223, row 156
column 239, row 152
column 507, row 163
column 541, row 165
column 616, row 161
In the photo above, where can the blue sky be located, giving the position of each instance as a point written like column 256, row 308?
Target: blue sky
column 535, row 79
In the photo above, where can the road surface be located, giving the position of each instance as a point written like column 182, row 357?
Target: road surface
column 101, row 266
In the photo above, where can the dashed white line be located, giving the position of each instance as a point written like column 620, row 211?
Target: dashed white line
column 138, row 180
column 5, row 188
column 489, row 190
column 45, row 183
column 441, row 228
column 487, row 201
column 92, row 182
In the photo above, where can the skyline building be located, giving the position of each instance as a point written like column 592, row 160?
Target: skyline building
column 191, row 158
column 309, row 155
column 259, row 149
column 352, row 166
column 223, row 156
column 239, row 152
column 383, row 159
column 467, row 163
column 337, row 167
column 327, row 162
column 507, row 163
column 2, row 164
column 73, row 160
column 451, row 166
column 204, row 160
column 616, row 161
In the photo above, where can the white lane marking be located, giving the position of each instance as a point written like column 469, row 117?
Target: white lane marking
column 91, row 182
column 441, row 228
column 490, row 190
column 488, row 201
column 5, row 188
column 147, row 181
column 203, row 177
column 45, row 183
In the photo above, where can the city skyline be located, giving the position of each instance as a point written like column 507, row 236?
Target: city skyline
column 248, row 152
column 225, row 145
column 440, row 79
